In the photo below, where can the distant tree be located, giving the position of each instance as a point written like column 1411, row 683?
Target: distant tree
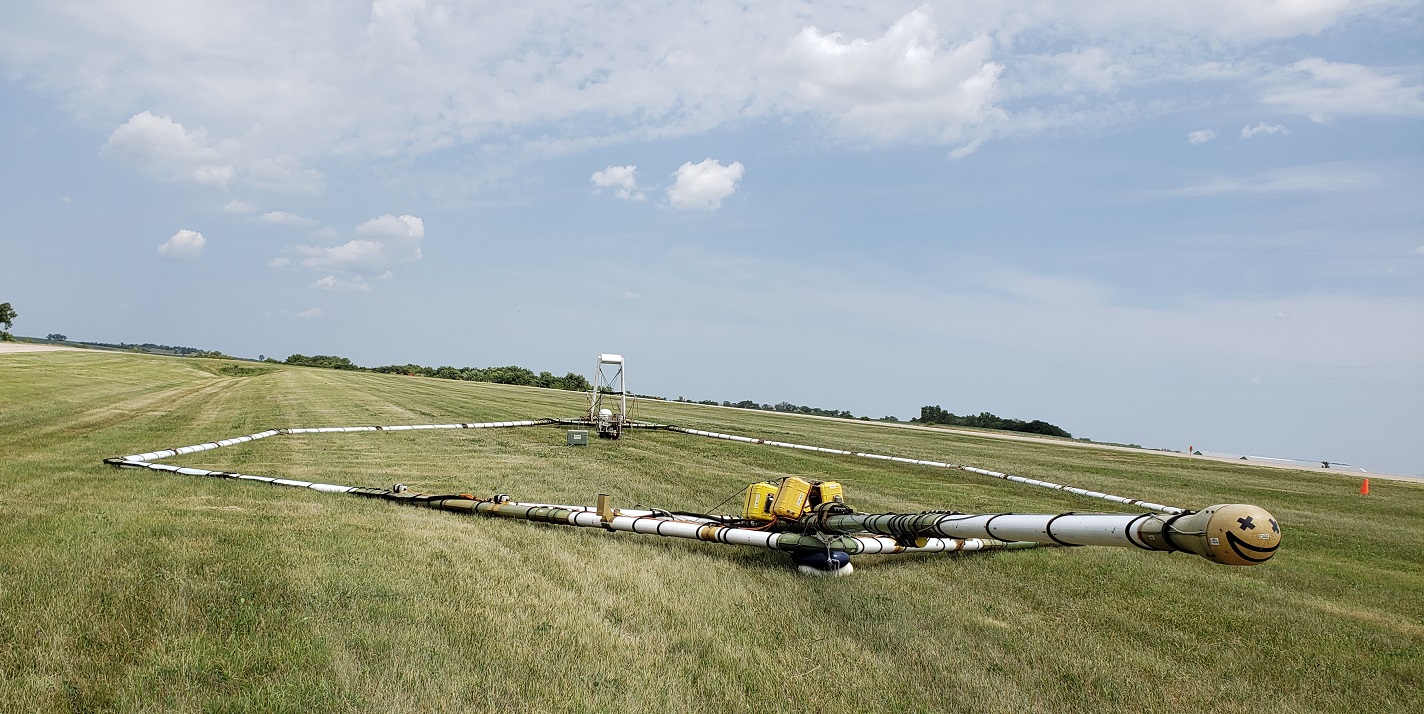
column 986, row 420
column 327, row 361
column 575, row 383
column 512, row 374
column 56, row 337
column 413, row 370
column 7, row 318
column 1042, row 427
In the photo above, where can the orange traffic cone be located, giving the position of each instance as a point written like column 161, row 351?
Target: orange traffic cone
column 1365, row 488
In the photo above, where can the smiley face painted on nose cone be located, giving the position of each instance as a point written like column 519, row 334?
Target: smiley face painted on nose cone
column 1240, row 534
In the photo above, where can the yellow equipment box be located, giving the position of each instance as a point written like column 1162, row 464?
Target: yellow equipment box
column 792, row 499
column 759, row 499
column 826, row 492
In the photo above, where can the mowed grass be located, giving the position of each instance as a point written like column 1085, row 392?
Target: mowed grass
column 126, row 590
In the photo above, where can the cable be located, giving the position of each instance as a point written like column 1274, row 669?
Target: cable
column 738, row 493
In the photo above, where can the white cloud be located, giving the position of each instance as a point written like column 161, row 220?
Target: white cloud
column 1322, row 90
column 1419, row 250
column 380, row 244
column 630, row 295
column 167, row 149
column 1200, row 136
column 1263, row 128
column 238, row 207
column 341, row 285
column 622, row 179
column 906, row 84
column 263, row 92
column 183, row 245
column 967, row 149
column 703, row 186
column 283, row 174
column 1220, row 22
column 325, row 233
column 1313, row 178
column 309, row 313
column 284, row 218
column 1091, row 70
column 279, row 263
column 361, row 256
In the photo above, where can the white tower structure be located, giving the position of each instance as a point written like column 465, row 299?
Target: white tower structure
column 608, row 371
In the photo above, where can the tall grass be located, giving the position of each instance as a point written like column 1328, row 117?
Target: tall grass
column 138, row 591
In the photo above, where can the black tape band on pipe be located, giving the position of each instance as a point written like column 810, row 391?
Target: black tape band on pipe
column 1048, row 529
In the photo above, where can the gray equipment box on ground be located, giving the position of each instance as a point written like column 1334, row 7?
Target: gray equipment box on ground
column 578, row 437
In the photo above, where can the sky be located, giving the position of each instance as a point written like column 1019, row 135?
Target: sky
column 1165, row 223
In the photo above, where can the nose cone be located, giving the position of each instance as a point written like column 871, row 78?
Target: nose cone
column 1240, row 534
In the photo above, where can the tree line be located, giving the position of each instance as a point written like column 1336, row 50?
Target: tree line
column 928, row 415
column 985, row 420
column 512, row 374
column 783, row 407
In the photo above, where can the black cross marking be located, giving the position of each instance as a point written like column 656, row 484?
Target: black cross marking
column 1275, row 527
column 1246, row 524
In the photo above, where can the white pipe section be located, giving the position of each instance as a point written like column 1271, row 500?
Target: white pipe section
column 166, row 453
column 1109, row 529
column 692, row 530
column 414, row 427
column 1232, row 534
column 128, row 462
column 154, row 455
column 940, row 464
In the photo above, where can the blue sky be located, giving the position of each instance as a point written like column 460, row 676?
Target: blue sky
column 1165, row 223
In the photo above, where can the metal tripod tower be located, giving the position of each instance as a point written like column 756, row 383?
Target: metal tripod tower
column 610, row 425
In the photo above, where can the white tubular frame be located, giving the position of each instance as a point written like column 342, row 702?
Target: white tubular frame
column 146, row 460
column 940, row 464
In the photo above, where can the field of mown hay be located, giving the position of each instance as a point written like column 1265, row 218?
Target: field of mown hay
column 127, row 590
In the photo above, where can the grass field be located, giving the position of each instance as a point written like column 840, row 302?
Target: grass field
column 127, row 590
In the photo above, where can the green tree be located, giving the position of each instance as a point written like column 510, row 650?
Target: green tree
column 7, row 318
column 327, row 361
